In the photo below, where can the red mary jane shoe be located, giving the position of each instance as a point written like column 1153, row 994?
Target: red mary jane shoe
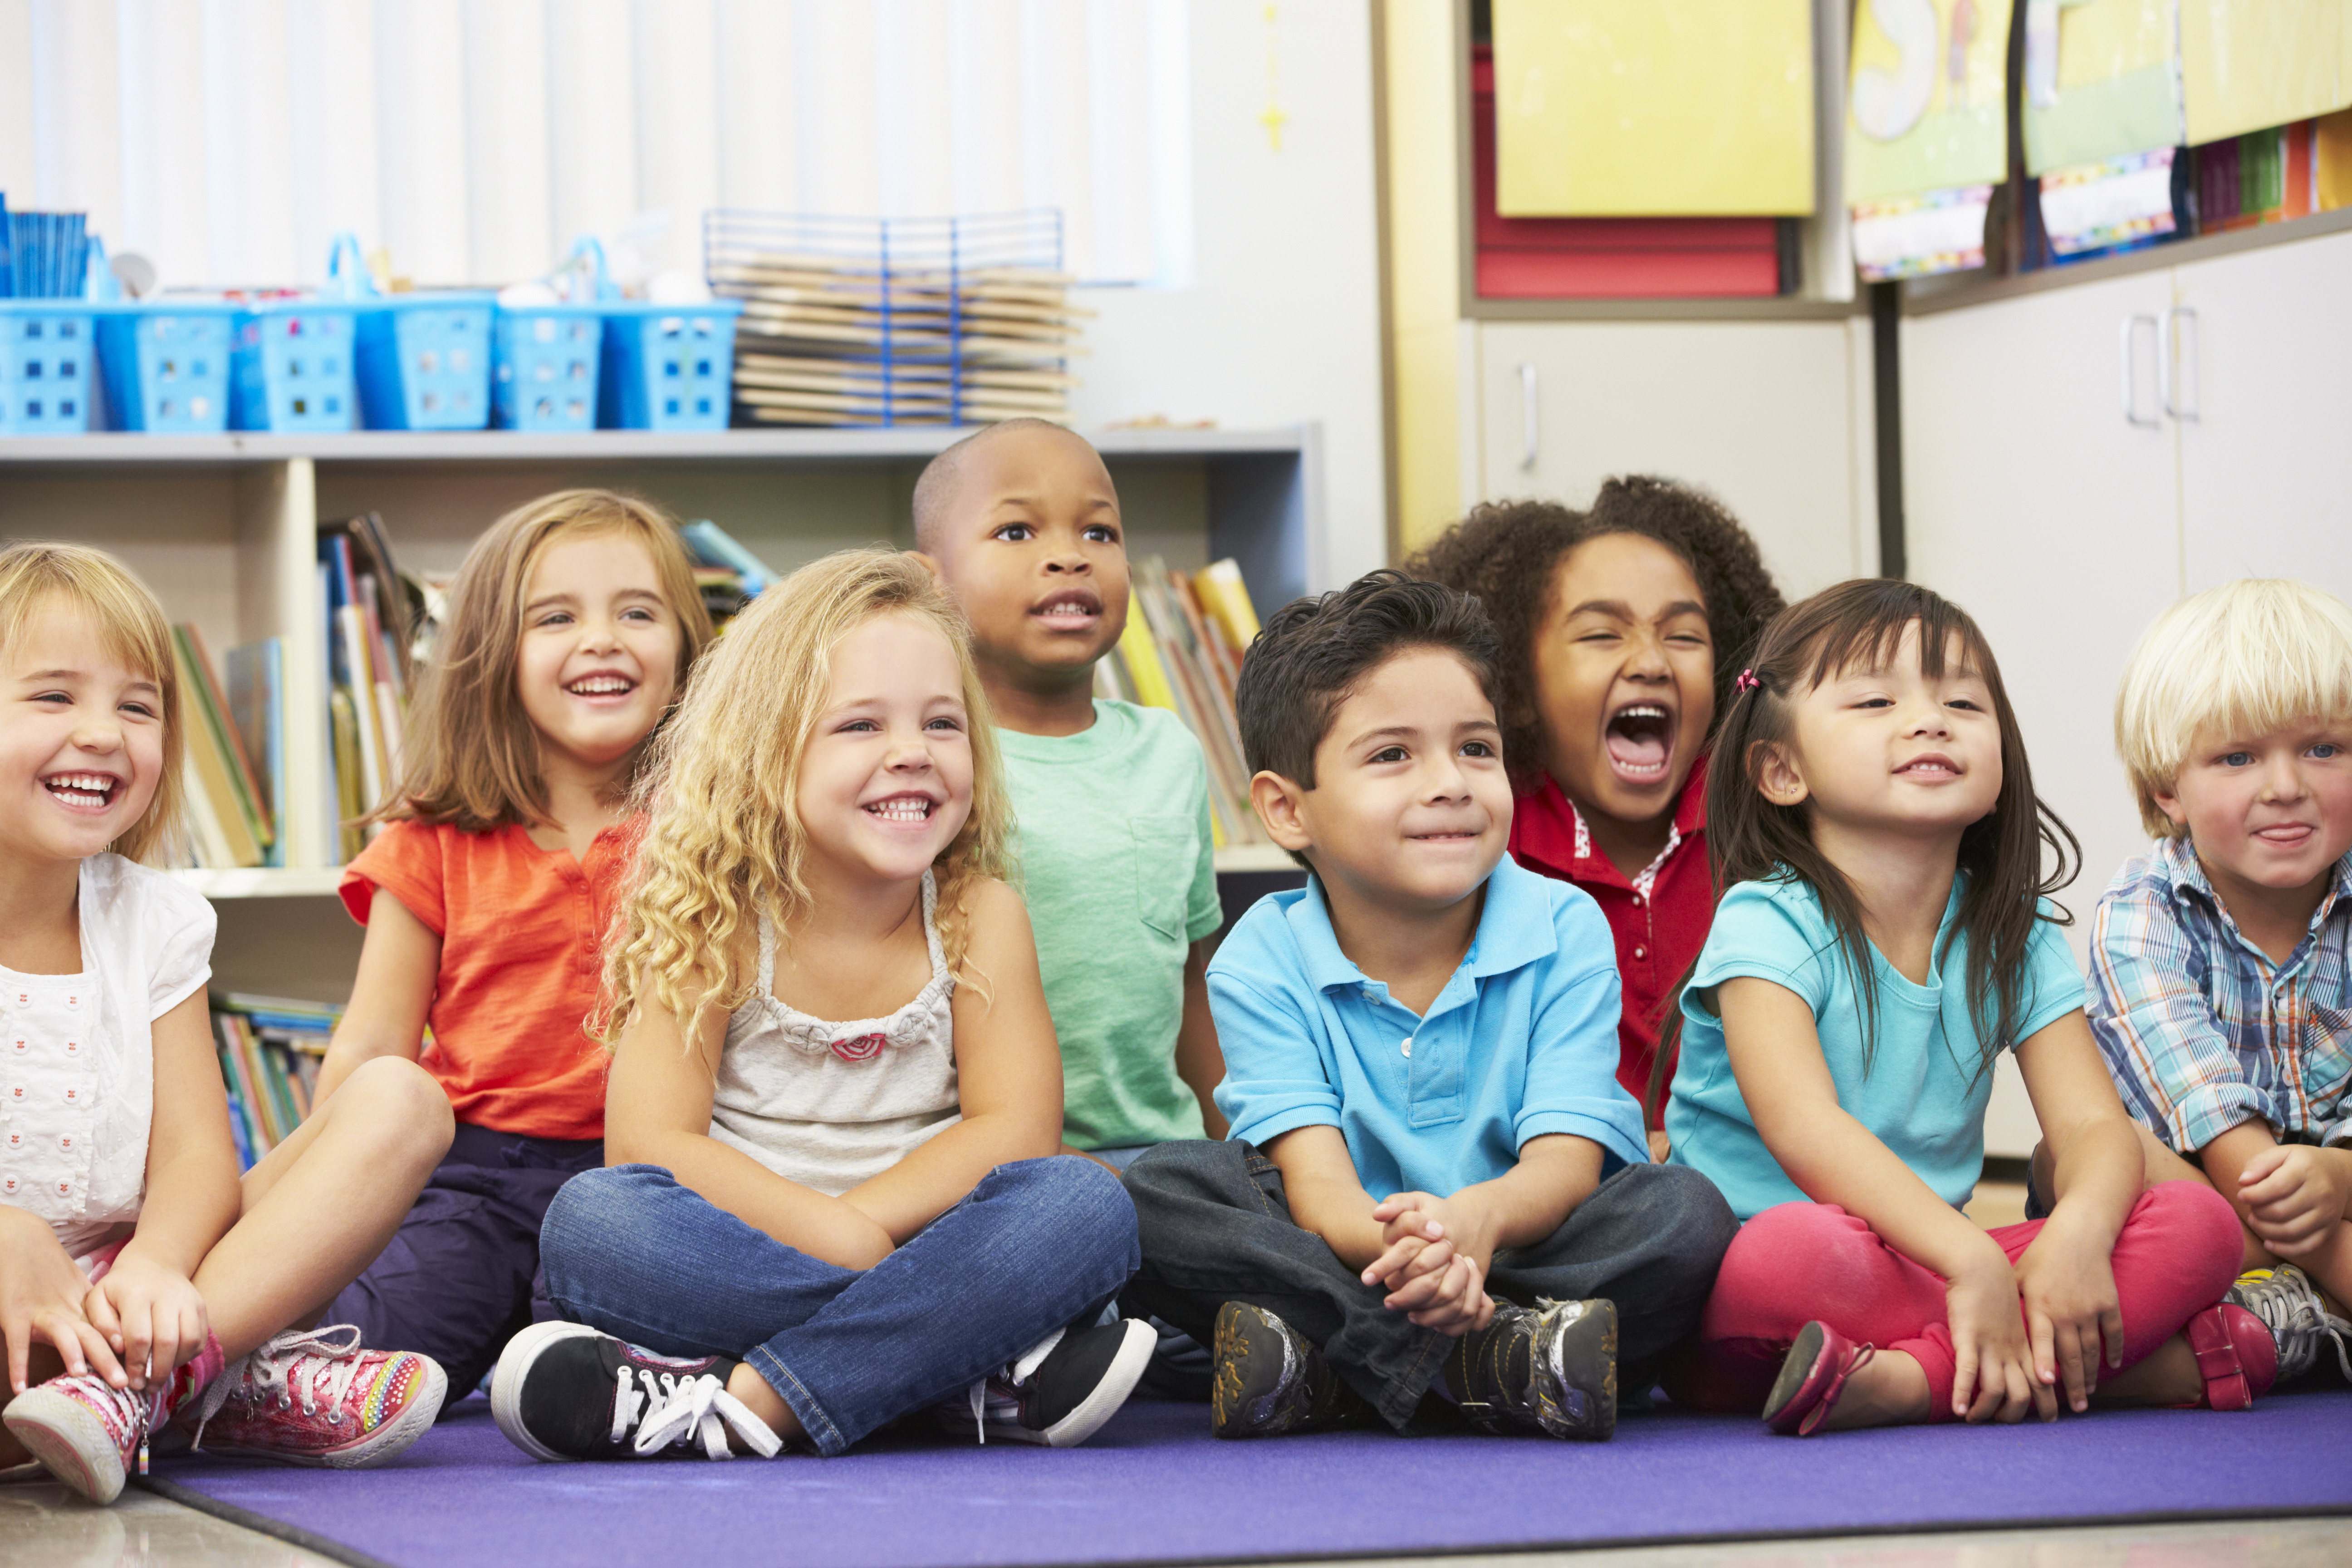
column 1812, row 1378
column 2235, row 1354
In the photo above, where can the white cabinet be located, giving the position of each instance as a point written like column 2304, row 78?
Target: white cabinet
column 2266, row 464
column 2065, row 521
column 1773, row 416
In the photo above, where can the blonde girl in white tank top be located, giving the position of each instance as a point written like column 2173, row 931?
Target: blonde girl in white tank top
column 834, row 1195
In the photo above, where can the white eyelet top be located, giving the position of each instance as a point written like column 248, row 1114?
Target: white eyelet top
column 77, row 1052
column 830, row 1105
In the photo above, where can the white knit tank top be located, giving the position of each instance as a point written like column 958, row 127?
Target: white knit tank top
column 830, row 1105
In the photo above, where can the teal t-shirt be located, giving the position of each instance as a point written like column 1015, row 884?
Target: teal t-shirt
column 1924, row 1096
column 1118, row 869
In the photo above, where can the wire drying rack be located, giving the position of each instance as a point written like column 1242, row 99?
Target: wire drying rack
column 878, row 321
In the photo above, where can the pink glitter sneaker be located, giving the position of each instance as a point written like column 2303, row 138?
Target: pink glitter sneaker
column 312, row 1396
column 88, row 1435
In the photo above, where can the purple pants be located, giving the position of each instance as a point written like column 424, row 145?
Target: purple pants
column 462, row 1274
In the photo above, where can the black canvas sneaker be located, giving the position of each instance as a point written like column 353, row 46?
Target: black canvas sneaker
column 1553, row 1370
column 563, row 1390
column 1061, row 1392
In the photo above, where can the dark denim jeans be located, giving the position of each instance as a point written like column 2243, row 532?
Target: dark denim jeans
column 1216, row 1229
column 461, row 1276
column 1035, row 1246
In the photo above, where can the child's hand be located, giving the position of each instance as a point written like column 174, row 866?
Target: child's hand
column 41, row 1293
column 1435, row 1264
column 149, row 1314
column 1991, row 1374
column 2068, row 1286
column 2294, row 1193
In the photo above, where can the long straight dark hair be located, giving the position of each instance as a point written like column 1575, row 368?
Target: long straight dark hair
column 1751, row 839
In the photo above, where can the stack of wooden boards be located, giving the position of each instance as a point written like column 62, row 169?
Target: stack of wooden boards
column 1181, row 651
column 896, row 323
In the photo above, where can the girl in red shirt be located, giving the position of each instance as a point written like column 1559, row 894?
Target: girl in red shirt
column 1619, row 626
column 572, row 624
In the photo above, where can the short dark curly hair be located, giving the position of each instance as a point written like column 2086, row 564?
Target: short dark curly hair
column 1507, row 554
column 1315, row 652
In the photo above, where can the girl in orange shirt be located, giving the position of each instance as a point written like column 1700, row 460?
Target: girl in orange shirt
column 573, row 622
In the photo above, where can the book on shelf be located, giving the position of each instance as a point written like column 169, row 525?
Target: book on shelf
column 230, row 825
column 728, row 575
column 370, row 614
column 256, row 714
column 1181, row 651
column 270, row 1050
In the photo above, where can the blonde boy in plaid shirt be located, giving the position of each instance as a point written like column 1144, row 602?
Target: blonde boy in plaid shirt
column 2221, row 960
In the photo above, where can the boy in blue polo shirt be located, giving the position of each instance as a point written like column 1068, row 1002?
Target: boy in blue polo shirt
column 1433, row 1185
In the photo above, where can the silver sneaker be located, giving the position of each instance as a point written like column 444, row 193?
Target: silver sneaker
column 2289, row 1306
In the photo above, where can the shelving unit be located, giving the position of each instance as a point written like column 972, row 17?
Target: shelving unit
column 223, row 528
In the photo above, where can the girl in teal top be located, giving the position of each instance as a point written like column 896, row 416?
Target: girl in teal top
column 1884, row 937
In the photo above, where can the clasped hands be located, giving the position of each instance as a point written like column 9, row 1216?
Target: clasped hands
column 1434, row 1261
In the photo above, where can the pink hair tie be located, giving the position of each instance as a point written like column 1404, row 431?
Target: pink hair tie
column 1747, row 681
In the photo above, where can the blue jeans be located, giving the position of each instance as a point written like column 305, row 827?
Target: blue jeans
column 1035, row 1246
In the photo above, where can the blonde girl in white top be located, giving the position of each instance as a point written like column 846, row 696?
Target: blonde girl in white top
column 139, row 1279
column 834, row 1195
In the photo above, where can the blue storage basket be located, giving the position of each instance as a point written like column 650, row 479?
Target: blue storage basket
column 547, row 358
column 291, row 368
column 48, row 366
column 668, row 367
column 425, row 361
column 167, row 365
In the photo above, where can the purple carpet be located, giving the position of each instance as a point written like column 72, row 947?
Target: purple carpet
column 1154, row 1487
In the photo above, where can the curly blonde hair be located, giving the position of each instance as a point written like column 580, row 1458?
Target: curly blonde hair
column 132, row 631
column 722, row 842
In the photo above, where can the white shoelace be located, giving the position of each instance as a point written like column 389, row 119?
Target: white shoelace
column 314, row 1365
column 669, row 1410
column 1013, row 1376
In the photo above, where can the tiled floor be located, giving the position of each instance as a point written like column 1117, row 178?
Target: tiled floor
column 42, row 1526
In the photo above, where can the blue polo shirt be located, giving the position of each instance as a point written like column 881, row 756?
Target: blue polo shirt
column 1522, row 1040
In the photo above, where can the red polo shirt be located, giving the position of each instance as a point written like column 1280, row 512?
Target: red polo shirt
column 1659, row 918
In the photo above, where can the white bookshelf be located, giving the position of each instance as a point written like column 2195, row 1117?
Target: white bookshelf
column 224, row 528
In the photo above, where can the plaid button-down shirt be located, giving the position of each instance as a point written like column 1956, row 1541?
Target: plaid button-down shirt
column 2200, row 1029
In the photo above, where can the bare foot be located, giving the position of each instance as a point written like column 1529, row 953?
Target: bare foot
column 2168, row 1376
column 1888, row 1390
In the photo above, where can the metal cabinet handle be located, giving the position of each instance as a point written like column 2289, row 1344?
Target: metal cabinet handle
column 2169, row 381
column 2129, row 341
column 1530, row 425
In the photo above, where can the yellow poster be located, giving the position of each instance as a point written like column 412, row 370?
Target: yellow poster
column 1634, row 108
column 2102, row 81
column 2247, row 65
column 1926, row 103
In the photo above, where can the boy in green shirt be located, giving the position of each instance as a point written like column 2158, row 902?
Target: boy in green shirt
column 1022, row 524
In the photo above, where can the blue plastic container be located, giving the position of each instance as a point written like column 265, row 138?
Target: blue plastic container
column 166, row 364
column 424, row 360
column 668, row 367
column 546, row 359
column 47, row 367
column 292, row 367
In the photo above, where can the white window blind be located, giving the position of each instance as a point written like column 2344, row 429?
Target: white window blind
column 228, row 139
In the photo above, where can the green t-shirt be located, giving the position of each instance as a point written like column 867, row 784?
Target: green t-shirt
column 1118, row 869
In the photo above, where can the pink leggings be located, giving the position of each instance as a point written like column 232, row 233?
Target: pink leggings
column 2177, row 1255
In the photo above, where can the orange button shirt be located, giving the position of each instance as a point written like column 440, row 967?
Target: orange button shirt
column 521, row 933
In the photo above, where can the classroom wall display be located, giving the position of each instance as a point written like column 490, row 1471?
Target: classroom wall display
column 1630, row 108
column 2102, row 81
column 1927, row 105
column 2246, row 65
